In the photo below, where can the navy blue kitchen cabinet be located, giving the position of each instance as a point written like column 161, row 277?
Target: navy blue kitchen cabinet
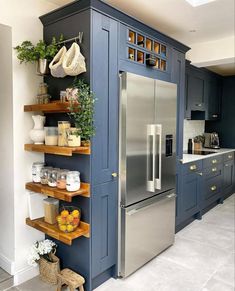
column 214, row 98
column 105, row 45
column 228, row 174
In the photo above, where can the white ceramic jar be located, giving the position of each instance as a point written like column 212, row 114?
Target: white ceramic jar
column 36, row 171
column 73, row 181
column 37, row 134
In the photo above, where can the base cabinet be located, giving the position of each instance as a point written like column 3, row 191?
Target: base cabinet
column 104, row 227
column 201, row 184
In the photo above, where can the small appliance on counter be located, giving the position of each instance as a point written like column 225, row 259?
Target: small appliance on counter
column 211, row 140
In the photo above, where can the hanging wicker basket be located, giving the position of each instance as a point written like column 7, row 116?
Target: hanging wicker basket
column 49, row 270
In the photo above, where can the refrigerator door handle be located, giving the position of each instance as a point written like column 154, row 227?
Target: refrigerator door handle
column 158, row 158
column 151, row 156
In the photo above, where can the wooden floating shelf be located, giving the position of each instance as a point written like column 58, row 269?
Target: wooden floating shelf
column 56, row 150
column 53, row 231
column 53, row 107
column 58, row 193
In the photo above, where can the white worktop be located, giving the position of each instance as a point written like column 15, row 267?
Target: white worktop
column 187, row 158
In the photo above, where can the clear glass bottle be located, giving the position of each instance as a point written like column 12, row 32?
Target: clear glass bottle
column 52, row 181
column 36, row 171
column 61, row 179
column 44, row 175
column 73, row 181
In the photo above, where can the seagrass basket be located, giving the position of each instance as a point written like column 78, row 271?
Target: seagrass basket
column 49, row 270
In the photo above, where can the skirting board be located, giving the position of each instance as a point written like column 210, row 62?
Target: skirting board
column 25, row 274
column 6, row 264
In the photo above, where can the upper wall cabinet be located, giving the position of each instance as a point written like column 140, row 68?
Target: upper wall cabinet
column 203, row 94
column 104, row 82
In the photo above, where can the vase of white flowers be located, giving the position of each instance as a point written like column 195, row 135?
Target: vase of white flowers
column 43, row 254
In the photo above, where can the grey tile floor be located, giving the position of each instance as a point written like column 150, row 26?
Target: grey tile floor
column 202, row 259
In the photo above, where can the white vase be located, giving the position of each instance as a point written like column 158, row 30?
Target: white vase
column 37, row 134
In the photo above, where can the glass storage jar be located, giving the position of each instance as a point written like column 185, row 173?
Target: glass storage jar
column 51, row 136
column 45, row 172
column 36, row 171
column 63, row 126
column 42, row 89
column 73, row 181
column 52, row 180
column 61, row 179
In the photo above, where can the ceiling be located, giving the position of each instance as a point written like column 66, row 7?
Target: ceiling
column 223, row 70
column 180, row 20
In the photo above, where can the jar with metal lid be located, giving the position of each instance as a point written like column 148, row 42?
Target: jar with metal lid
column 73, row 181
column 61, row 179
column 62, row 132
column 36, row 171
column 52, row 180
column 45, row 172
column 42, row 89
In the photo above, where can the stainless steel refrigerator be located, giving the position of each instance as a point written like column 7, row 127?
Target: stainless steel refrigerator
column 147, row 162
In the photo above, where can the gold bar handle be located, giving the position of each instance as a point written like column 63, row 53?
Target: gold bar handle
column 213, row 188
column 214, row 169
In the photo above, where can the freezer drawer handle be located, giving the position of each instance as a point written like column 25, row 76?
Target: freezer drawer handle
column 158, row 132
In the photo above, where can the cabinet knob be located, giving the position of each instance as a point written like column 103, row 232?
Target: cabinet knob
column 215, row 115
column 199, row 104
column 230, row 157
column 214, row 161
column 193, row 167
column 214, row 169
column 114, row 175
column 213, row 188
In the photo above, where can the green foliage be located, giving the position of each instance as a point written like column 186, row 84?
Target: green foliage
column 27, row 52
column 82, row 110
column 199, row 139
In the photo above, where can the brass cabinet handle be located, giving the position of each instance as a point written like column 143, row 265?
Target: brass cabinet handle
column 214, row 169
column 214, row 161
column 114, row 175
column 213, row 188
column 199, row 104
column 226, row 165
column 230, row 156
column 193, row 167
column 215, row 115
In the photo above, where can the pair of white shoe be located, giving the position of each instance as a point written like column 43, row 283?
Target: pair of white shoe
column 68, row 63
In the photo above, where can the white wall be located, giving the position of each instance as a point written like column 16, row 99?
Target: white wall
column 192, row 128
column 6, row 150
column 22, row 17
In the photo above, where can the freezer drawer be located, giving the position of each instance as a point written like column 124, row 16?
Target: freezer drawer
column 148, row 228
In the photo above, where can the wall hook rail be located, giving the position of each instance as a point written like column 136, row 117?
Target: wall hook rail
column 78, row 38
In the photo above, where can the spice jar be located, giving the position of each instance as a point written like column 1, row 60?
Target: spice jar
column 63, row 96
column 45, row 172
column 61, row 179
column 43, row 88
column 51, row 136
column 36, row 171
column 63, row 126
column 52, row 180
column 73, row 181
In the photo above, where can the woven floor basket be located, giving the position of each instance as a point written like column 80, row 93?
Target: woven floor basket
column 48, row 271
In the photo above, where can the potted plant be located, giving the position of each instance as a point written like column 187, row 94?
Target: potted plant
column 43, row 254
column 41, row 53
column 73, row 137
column 198, row 142
column 81, row 107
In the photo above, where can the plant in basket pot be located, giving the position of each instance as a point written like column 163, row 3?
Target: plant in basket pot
column 43, row 254
column 198, row 142
column 81, row 107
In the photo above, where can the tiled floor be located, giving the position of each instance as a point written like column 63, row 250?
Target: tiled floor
column 202, row 259
column 6, row 280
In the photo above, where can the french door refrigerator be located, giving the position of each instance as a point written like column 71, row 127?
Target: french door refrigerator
column 147, row 162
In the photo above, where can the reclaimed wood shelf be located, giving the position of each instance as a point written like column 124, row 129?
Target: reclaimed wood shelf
column 53, row 231
column 56, row 150
column 58, row 193
column 53, row 107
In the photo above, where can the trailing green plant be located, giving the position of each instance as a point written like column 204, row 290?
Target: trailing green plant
column 82, row 110
column 27, row 52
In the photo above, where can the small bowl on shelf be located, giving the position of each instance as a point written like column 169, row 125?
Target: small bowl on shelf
column 69, row 218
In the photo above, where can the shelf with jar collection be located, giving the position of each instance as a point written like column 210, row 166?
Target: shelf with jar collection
column 57, row 141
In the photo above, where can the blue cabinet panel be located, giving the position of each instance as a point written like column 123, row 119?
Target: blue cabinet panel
column 104, row 82
column 104, row 227
column 228, row 179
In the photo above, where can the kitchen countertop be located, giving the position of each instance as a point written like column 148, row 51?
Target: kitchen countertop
column 187, row 158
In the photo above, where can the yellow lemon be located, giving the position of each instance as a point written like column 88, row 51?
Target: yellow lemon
column 62, row 227
column 69, row 218
column 75, row 213
column 69, row 228
column 64, row 213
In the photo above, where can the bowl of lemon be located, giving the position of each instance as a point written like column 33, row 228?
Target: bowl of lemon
column 69, row 218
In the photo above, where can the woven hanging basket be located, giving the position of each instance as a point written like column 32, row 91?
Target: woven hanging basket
column 48, row 270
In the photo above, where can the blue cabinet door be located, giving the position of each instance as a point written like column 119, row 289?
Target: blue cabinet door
column 215, row 92
column 190, row 192
column 228, row 181
column 104, row 80
column 104, row 227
